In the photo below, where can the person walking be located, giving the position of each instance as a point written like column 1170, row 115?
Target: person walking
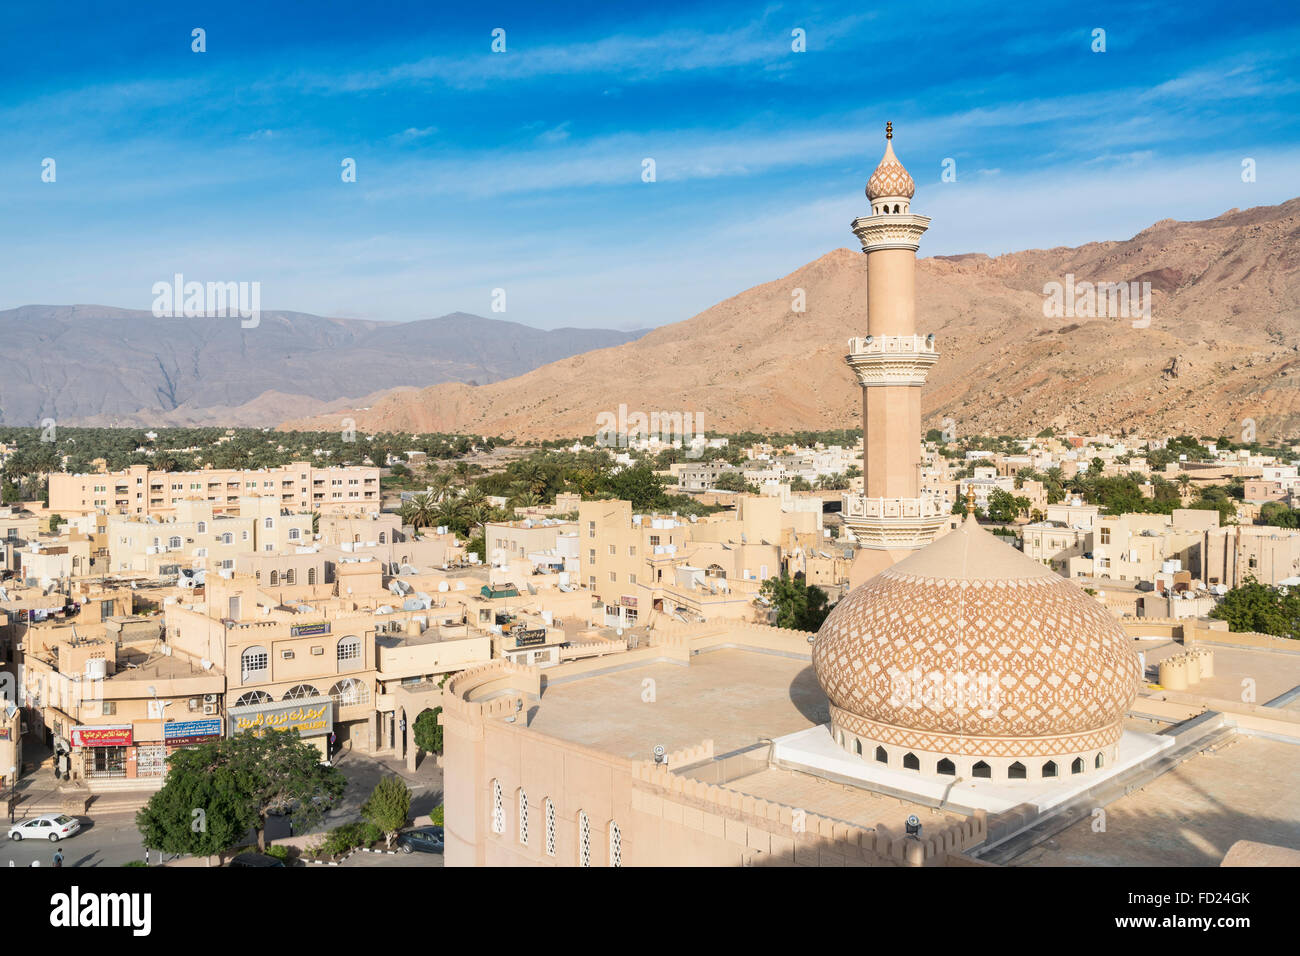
column 58, row 858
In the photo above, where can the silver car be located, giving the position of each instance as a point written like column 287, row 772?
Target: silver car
column 52, row 826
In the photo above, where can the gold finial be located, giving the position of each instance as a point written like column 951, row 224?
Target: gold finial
column 970, row 499
column 889, row 130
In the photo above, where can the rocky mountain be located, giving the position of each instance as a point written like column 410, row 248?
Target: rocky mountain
column 1220, row 354
column 97, row 365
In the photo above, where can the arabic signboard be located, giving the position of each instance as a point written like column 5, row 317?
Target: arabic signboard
column 102, row 736
column 179, row 733
column 628, row 601
column 529, row 638
column 309, row 630
column 310, row 716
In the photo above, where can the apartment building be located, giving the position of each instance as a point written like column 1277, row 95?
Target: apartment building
column 1267, row 554
column 139, row 490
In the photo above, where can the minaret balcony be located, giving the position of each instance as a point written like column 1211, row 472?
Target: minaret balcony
column 890, row 231
column 892, row 359
column 887, row 523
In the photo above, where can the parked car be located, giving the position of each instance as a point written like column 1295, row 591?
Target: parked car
column 255, row 859
column 52, row 826
column 425, row 839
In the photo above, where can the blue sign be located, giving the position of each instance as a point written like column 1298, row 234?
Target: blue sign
column 180, row 732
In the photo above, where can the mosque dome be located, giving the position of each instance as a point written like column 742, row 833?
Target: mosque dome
column 890, row 178
column 969, row 649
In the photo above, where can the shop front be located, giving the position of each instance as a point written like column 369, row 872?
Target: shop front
column 101, row 751
column 312, row 717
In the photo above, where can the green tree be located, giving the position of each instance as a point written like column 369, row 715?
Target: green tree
column 388, row 807
column 55, row 521
column 428, row 732
column 797, row 605
column 1258, row 607
column 237, row 782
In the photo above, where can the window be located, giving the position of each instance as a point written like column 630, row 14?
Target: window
column 268, row 523
column 946, row 767
column 253, row 697
column 174, row 542
column 349, row 650
column 615, row 845
column 857, row 747
column 294, row 534
column 275, row 578
column 203, row 527
column 981, row 769
column 1100, row 760
column 383, row 537
column 611, row 551
column 227, row 538
column 110, row 708
column 1105, row 535
column 290, row 576
column 523, row 817
column 498, row 809
column 1049, row 769
column 1016, row 771
column 300, row 691
column 253, row 664
column 311, row 575
column 584, row 839
column 881, row 755
column 1077, row 765
column 631, row 579
column 591, row 555
column 613, row 578
column 911, row 762
column 550, row 827
column 631, row 551
column 350, row 691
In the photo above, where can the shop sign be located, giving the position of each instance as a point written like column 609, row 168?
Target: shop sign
column 530, row 638
column 310, row 716
column 628, row 601
column 102, row 736
column 179, row 733
column 309, row 630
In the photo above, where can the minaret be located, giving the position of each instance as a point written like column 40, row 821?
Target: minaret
column 890, row 519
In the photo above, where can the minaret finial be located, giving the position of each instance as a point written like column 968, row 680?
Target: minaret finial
column 889, row 130
column 970, row 501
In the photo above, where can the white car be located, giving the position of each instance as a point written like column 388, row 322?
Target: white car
column 53, row 827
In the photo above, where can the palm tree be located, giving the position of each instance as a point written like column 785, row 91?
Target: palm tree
column 450, row 513
column 439, row 483
column 473, row 497
column 420, row 511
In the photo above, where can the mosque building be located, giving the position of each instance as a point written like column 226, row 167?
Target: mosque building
column 960, row 706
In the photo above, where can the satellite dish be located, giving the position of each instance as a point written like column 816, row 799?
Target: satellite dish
column 913, row 820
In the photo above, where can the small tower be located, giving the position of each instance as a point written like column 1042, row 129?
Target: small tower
column 890, row 519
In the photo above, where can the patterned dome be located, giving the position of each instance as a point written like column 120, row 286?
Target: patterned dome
column 968, row 638
column 890, row 178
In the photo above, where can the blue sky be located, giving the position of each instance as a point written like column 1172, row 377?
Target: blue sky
column 522, row 170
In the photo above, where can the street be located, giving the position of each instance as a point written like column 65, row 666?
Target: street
column 111, row 839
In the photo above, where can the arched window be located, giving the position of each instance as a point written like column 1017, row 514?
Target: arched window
column 254, row 663
column 383, row 537
column 275, row 578
column 350, row 691
column 1016, row 771
column 203, row 527
column 290, row 576
column 227, row 538
column 1101, row 759
column 911, row 762
column 1077, row 766
column 253, row 697
column 881, row 755
column 173, row 542
column 615, row 845
column 981, row 769
column 714, row 571
column 523, row 816
column 498, row 809
column 269, row 523
column 1049, row 769
column 946, row 768
column 550, row 827
column 311, row 575
column 584, row 839
column 299, row 691
column 348, row 654
column 857, row 747
column 294, row 534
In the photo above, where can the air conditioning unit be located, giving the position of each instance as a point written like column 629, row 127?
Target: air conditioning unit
column 210, row 709
column 209, row 698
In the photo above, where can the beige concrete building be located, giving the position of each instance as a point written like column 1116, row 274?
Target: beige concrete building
column 1233, row 554
column 140, row 490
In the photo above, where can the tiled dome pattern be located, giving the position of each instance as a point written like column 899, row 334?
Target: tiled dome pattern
column 890, row 178
column 1061, row 663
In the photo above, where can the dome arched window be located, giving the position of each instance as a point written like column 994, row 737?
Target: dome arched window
column 882, row 756
column 981, row 769
column 1077, row 766
column 1049, row 769
column 947, row 768
column 911, row 762
column 1016, row 771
